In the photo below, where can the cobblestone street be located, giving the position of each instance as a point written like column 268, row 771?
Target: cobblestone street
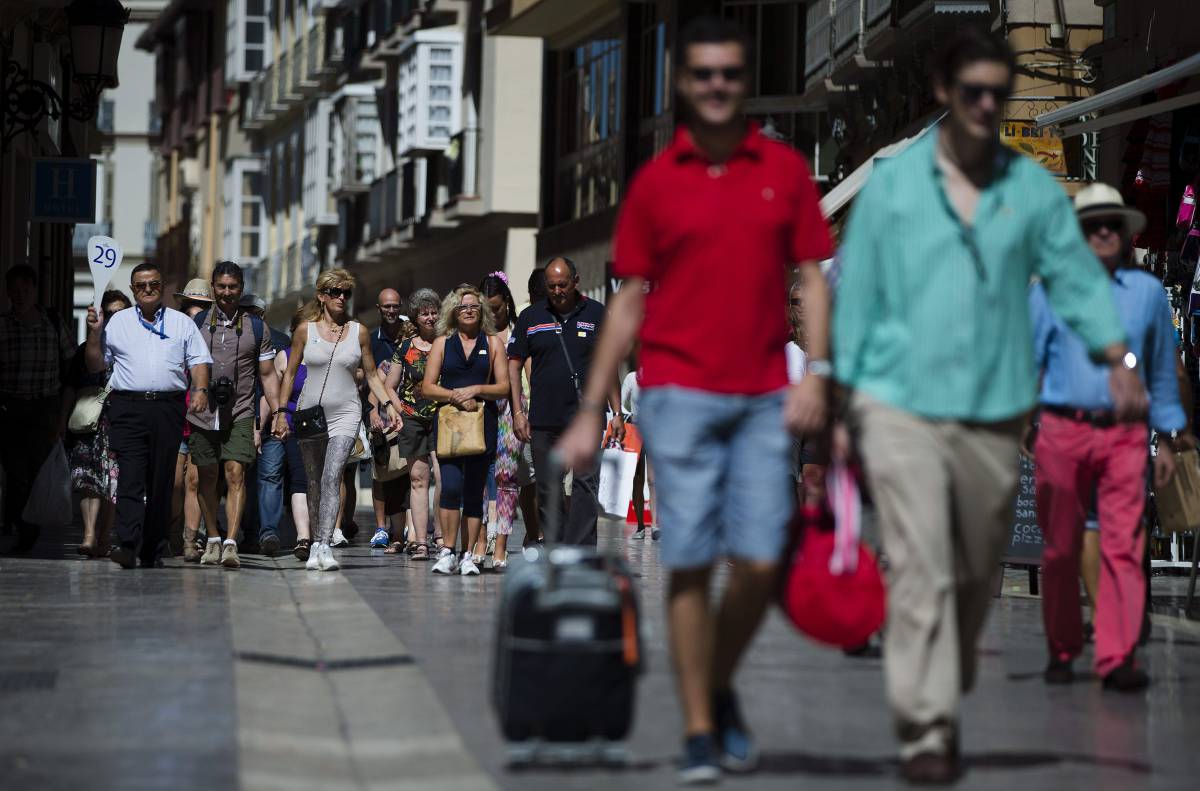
column 378, row 677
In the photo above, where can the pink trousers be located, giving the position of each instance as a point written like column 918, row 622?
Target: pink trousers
column 1077, row 462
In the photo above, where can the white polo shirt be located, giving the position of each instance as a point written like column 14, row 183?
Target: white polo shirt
column 152, row 356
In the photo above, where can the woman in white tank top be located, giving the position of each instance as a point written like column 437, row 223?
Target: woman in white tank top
column 332, row 348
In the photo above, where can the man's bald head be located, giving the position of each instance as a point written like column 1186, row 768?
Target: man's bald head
column 561, row 282
column 389, row 306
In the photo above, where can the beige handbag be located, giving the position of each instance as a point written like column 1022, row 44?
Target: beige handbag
column 388, row 463
column 1178, row 502
column 85, row 415
column 460, row 433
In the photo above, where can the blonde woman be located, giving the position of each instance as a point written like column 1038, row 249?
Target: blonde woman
column 467, row 367
column 332, row 348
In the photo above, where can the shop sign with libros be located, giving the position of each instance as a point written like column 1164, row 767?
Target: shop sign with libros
column 1044, row 146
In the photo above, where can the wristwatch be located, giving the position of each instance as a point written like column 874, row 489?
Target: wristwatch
column 1129, row 361
column 821, row 368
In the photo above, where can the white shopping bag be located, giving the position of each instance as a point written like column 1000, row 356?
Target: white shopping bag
column 50, row 500
column 617, row 467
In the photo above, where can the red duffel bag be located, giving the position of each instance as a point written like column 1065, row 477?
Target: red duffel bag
column 832, row 589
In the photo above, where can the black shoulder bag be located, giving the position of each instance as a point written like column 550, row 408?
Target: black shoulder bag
column 309, row 423
column 558, row 332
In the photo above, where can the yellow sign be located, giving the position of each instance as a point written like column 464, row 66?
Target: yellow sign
column 1043, row 145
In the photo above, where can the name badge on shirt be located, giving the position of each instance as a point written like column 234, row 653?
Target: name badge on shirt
column 582, row 334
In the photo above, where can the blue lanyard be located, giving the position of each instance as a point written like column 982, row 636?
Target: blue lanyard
column 160, row 319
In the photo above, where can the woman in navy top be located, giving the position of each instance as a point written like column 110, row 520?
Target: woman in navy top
column 468, row 368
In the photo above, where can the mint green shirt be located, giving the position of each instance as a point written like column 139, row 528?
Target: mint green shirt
column 932, row 315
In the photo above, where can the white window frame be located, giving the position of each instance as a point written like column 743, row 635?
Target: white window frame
column 235, row 170
column 237, row 19
column 316, row 165
column 415, row 85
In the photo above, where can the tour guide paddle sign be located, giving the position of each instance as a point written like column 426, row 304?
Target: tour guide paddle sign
column 104, row 256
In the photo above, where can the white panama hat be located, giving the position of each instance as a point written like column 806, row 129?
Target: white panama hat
column 1100, row 200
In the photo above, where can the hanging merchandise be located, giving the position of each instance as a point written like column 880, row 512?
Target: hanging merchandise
column 1187, row 208
column 1189, row 150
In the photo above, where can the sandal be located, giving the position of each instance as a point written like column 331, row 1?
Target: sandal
column 395, row 548
column 87, row 550
column 301, row 550
column 421, row 552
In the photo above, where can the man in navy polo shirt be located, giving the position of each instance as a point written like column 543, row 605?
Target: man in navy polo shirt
column 558, row 334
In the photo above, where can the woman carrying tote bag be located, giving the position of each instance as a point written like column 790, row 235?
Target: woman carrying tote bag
column 467, row 372
column 326, row 419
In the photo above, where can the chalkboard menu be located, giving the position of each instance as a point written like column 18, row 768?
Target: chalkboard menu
column 1024, row 544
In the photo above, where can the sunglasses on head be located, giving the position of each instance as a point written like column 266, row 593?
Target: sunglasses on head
column 972, row 92
column 705, row 74
column 335, row 293
column 148, row 286
column 1111, row 223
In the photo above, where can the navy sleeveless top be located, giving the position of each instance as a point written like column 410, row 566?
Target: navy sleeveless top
column 459, row 370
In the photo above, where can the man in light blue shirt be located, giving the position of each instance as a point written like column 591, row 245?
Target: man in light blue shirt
column 150, row 349
column 1085, row 455
column 931, row 333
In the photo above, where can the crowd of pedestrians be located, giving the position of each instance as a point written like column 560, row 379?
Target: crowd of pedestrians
column 922, row 365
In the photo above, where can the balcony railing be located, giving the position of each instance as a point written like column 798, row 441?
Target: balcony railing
column 314, row 53
column 876, row 9
column 847, row 22
column 283, row 80
column 816, row 39
column 300, row 82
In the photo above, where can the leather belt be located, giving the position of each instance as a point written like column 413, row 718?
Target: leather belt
column 1100, row 418
column 147, row 395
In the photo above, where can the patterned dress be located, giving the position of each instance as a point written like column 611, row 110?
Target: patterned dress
column 508, row 454
column 93, row 463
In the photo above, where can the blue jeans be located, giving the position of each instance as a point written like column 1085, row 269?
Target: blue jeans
column 270, row 487
column 722, row 473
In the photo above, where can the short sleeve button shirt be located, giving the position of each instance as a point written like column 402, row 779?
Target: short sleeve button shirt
column 718, row 237
column 152, row 356
column 235, row 356
column 553, row 400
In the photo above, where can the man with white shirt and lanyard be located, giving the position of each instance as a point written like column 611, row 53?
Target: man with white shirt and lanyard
column 150, row 349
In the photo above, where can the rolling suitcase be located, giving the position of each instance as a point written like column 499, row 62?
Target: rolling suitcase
column 567, row 656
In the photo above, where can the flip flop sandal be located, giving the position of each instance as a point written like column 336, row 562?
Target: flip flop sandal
column 421, row 552
column 395, row 548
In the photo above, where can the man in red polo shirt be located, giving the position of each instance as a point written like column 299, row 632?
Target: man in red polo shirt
column 718, row 219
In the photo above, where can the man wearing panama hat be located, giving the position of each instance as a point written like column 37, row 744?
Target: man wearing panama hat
column 1084, row 454
column 195, row 297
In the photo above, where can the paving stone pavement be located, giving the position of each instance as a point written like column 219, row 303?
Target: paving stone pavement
column 378, row 677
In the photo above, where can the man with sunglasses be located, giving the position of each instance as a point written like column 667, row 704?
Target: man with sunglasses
column 223, row 434
column 932, row 337
column 722, row 216
column 150, row 349
column 1085, row 455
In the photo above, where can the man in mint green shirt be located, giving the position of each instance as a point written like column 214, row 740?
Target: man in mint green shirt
column 932, row 337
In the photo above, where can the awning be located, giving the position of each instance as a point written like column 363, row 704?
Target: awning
column 1123, row 93
column 845, row 191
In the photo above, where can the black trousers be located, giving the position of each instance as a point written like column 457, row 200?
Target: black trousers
column 579, row 528
column 145, row 437
column 28, row 430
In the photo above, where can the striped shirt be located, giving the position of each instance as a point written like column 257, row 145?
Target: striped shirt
column 932, row 315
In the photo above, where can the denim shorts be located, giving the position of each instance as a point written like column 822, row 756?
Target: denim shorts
column 722, row 469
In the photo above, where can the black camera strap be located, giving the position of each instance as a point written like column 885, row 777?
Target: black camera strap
column 237, row 345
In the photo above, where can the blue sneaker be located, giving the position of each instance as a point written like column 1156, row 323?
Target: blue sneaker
column 738, row 751
column 380, row 539
column 699, row 765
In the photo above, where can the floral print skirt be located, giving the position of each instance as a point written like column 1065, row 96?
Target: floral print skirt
column 94, row 465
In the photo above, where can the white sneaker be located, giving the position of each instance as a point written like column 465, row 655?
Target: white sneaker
column 326, row 560
column 467, row 567
column 446, row 563
column 339, row 540
column 314, row 556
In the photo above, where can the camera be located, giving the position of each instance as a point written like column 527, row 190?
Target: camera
column 222, row 391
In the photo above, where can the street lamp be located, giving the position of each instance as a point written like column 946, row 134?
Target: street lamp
column 94, row 29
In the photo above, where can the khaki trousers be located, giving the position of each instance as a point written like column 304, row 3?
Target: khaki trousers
column 945, row 492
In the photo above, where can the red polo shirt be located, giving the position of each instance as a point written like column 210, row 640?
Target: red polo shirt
column 715, row 243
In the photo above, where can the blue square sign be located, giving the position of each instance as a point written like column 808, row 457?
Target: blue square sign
column 64, row 190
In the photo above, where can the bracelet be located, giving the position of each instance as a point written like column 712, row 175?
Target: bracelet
column 199, row 389
column 282, row 411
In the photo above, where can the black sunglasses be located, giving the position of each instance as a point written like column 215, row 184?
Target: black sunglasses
column 796, row 303
column 705, row 74
column 1111, row 223
column 148, row 286
column 339, row 292
column 972, row 92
